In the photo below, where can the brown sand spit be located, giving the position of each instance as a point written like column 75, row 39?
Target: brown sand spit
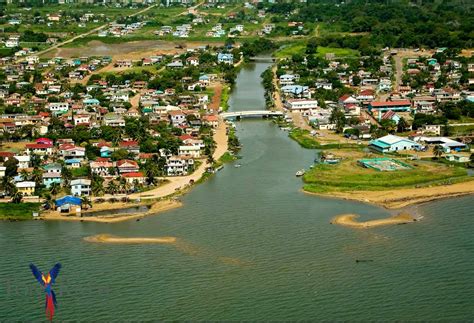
column 398, row 198
column 350, row 220
column 157, row 207
column 107, row 238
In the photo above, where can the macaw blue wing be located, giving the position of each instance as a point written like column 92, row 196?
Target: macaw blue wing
column 38, row 274
column 54, row 272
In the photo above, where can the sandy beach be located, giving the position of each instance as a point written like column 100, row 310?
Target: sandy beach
column 350, row 220
column 107, row 238
column 154, row 209
column 395, row 199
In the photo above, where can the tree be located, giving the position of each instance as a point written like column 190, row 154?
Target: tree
column 438, row 151
column 17, row 197
column 86, row 202
column 54, row 188
column 66, row 175
column 48, row 202
column 338, row 117
column 402, row 125
column 112, row 188
column 11, row 166
column 8, row 186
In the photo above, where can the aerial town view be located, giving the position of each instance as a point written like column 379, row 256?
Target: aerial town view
column 227, row 160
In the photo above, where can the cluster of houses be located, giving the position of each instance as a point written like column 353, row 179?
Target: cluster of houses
column 373, row 99
column 181, row 31
column 119, row 30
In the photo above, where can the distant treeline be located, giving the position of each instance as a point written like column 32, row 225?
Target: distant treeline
column 392, row 23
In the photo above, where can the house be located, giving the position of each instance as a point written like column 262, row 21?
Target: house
column 288, row 79
column 177, row 117
column 391, row 115
column 391, row 143
column 189, row 151
column 73, row 163
column 58, row 108
column 23, row 161
column 101, row 166
column 367, row 95
column 133, row 178
column 381, row 107
column 296, row 91
column 211, row 120
column 81, row 187
column 66, row 203
column 457, row 158
column 225, row 58
column 50, row 178
column 26, row 188
column 434, row 129
column 348, row 99
column 193, row 61
column 131, row 146
column 301, row 105
column 127, row 166
column 178, row 166
column 39, row 149
column 69, row 151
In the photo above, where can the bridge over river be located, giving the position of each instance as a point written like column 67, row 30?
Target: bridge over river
column 250, row 114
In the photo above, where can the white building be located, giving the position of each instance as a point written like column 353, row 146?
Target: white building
column 189, row 151
column 81, row 187
column 301, row 104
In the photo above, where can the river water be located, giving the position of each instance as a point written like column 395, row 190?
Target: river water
column 251, row 246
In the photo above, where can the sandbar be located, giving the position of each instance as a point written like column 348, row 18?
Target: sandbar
column 107, row 238
column 350, row 220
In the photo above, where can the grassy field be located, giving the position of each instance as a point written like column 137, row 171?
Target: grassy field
column 304, row 138
column 225, row 98
column 349, row 176
column 300, row 47
column 21, row 211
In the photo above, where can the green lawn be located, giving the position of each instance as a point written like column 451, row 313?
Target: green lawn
column 300, row 47
column 304, row 138
column 349, row 176
column 21, row 211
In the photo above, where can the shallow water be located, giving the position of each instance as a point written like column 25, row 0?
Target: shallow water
column 250, row 246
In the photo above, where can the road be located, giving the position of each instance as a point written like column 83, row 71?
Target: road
column 405, row 53
column 44, row 51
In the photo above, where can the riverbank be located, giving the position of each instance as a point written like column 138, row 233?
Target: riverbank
column 154, row 208
column 399, row 198
column 350, row 220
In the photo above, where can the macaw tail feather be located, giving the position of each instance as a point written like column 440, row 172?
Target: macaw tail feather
column 49, row 307
column 54, row 299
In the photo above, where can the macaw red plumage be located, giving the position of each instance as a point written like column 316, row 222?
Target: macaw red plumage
column 47, row 281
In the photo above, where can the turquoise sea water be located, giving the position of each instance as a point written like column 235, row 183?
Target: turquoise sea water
column 251, row 246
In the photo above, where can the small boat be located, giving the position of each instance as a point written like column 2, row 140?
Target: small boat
column 219, row 168
column 237, row 165
column 300, row 173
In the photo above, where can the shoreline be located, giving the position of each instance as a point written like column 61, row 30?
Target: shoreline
column 350, row 220
column 155, row 209
column 400, row 198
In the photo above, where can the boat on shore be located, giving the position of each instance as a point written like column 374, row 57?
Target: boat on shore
column 300, row 173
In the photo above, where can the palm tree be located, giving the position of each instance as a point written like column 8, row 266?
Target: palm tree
column 48, row 201
column 8, row 186
column 86, row 202
column 66, row 175
column 54, row 188
column 438, row 151
column 25, row 175
column 97, row 188
column 112, row 188
column 37, row 176
column 17, row 197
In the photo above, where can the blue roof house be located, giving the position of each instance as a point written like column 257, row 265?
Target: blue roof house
column 225, row 58
column 391, row 143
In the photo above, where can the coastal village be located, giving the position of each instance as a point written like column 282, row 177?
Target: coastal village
column 78, row 131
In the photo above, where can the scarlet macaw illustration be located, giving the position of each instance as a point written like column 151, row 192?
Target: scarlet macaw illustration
column 47, row 281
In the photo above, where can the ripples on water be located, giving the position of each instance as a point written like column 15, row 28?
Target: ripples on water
column 250, row 246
